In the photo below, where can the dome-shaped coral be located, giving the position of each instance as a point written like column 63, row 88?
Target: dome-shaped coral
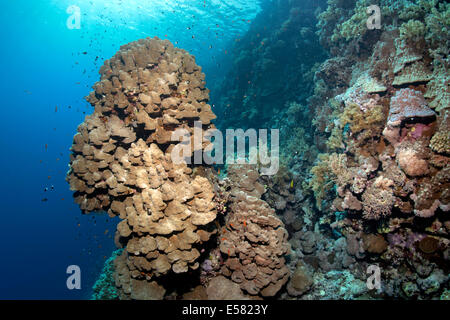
column 411, row 163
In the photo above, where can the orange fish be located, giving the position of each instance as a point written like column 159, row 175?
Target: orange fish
column 218, row 171
column 245, row 224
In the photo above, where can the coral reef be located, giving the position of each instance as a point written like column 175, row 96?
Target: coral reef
column 105, row 287
column 364, row 177
column 121, row 161
column 273, row 65
column 254, row 240
column 389, row 176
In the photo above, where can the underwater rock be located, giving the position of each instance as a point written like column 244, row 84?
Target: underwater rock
column 403, row 188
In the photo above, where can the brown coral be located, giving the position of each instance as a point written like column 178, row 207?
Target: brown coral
column 374, row 243
column 377, row 202
column 411, row 163
column 121, row 157
column 254, row 242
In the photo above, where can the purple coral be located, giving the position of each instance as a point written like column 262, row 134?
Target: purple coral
column 207, row 266
column 408, row 104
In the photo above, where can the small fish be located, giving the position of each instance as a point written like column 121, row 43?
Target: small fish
column 292, row 183
column 56, row 109
column 218, row 171
column 44, row 200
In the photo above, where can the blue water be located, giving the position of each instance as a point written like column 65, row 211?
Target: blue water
column 47, row 69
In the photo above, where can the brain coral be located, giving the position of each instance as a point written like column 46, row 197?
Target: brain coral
column 121, row 161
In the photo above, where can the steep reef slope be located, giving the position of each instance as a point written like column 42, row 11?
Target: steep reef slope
column 382, row 124
column 365, row 173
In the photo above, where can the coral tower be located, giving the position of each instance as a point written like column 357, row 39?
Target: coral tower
column 121, row 163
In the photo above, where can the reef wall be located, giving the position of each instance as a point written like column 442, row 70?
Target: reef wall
column 364, row 175
column 382, row 133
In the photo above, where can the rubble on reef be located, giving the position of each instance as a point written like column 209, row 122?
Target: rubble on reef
column 364, row 177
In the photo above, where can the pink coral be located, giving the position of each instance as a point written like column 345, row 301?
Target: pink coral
column 411, row 163
column 406, row 105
